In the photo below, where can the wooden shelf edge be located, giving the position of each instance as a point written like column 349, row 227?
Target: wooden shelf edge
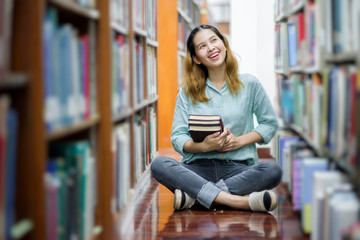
column 297, row 8
column 118, row 28
column 13, row 81
column 181, row 53
column 152, row 42
column 184, row 15
column 123, row 115
column 58, row 134
column 76, row 8
column 145, row 103
column 324, row 152
column 140, row 32
column 341, row 57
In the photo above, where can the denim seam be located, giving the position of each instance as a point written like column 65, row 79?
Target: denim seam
column 207, row 194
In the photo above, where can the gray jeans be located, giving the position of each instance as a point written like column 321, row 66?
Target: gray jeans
column 203, row 179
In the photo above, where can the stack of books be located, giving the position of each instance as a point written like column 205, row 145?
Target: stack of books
column 202, row 125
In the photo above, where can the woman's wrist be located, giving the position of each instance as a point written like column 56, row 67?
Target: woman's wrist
column 239, row 141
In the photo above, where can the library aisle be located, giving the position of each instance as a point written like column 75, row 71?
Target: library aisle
column 153, row 217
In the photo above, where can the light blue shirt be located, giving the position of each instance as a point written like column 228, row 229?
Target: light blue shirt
column 237, row 114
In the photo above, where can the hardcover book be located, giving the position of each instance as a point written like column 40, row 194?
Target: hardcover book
column 202, row 125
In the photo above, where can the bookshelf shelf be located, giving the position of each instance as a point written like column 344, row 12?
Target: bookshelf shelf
column 310, row 70
column 13, row 81
column 341, row 58
column 298, row 130
column 281, row 18
column 123, row 115
column 145, row 103
column 181, row 53
column 296, row 69
column 119, row 29
column 78, row 127
column 341, row 164
column 297, row 8
column 281, row 71
column 185, row 16
column 140, row 32
column 152, row 42
column 75, row 8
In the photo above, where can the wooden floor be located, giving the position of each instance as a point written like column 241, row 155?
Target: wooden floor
column 153, row 217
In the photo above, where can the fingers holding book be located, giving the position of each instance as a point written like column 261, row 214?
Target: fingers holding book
column 217, row 140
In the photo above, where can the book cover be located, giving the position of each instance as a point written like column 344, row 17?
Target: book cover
column 201, row 126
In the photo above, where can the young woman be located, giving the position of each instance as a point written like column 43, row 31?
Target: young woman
column 223, row 168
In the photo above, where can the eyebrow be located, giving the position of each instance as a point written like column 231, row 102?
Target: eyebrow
column 204, row 42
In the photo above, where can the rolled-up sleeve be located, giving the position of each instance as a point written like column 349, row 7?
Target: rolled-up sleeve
column 265, row 114
column 180, row 134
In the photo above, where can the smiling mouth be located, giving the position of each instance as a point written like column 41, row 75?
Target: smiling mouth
column 212, row 56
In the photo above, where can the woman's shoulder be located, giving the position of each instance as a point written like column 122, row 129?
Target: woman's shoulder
column 248, row 78
column 181, row 94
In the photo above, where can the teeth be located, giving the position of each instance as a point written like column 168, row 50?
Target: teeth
column 214, row 55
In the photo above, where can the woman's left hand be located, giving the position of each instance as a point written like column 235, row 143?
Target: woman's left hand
column 232, row 143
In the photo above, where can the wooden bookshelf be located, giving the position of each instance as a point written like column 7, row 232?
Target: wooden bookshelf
column 13, row 81
column 319, row 96
column 92, row 113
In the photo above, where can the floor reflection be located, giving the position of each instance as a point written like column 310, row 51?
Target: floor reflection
column 220, row 224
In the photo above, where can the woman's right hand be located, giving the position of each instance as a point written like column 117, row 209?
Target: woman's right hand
column 215, row 141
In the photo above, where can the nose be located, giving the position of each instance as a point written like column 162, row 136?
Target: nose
column 210, row 47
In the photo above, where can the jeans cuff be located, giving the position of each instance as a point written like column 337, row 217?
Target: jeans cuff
column 221, row 184
column 207, row 194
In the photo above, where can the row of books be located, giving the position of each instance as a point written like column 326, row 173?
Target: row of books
column 297, row 42
column 184, row 30
column 138, row 79
column 71, row 191
column 5, row 36
column 119, row 12
column 69, row 72
column 8, row 150
column 139, row 14
column 342, row 33
column 151, row 68
column 121, row 162
column 145, row 140
column 180, row 68
column 313, row 34
column 324, row 108
column 120, row 74
column 151, row 22
column 145, row 148
column 191, row 9
column 87, row 3
column 322, row 194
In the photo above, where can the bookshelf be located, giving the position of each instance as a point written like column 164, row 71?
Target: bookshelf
column 317, row 67
column 82, row 78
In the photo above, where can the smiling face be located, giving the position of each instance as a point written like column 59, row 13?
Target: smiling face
column 209, row 48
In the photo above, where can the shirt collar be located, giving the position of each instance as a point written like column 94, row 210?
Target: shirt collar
column 211, row 85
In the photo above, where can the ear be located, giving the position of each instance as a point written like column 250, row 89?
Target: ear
column 196, row 60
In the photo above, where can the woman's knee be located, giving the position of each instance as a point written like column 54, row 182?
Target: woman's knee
column 159, row 164
column 275, row 171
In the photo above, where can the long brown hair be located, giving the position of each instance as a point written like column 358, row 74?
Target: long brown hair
column 194, row 81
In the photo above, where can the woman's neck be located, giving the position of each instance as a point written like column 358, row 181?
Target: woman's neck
column 217, row 76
